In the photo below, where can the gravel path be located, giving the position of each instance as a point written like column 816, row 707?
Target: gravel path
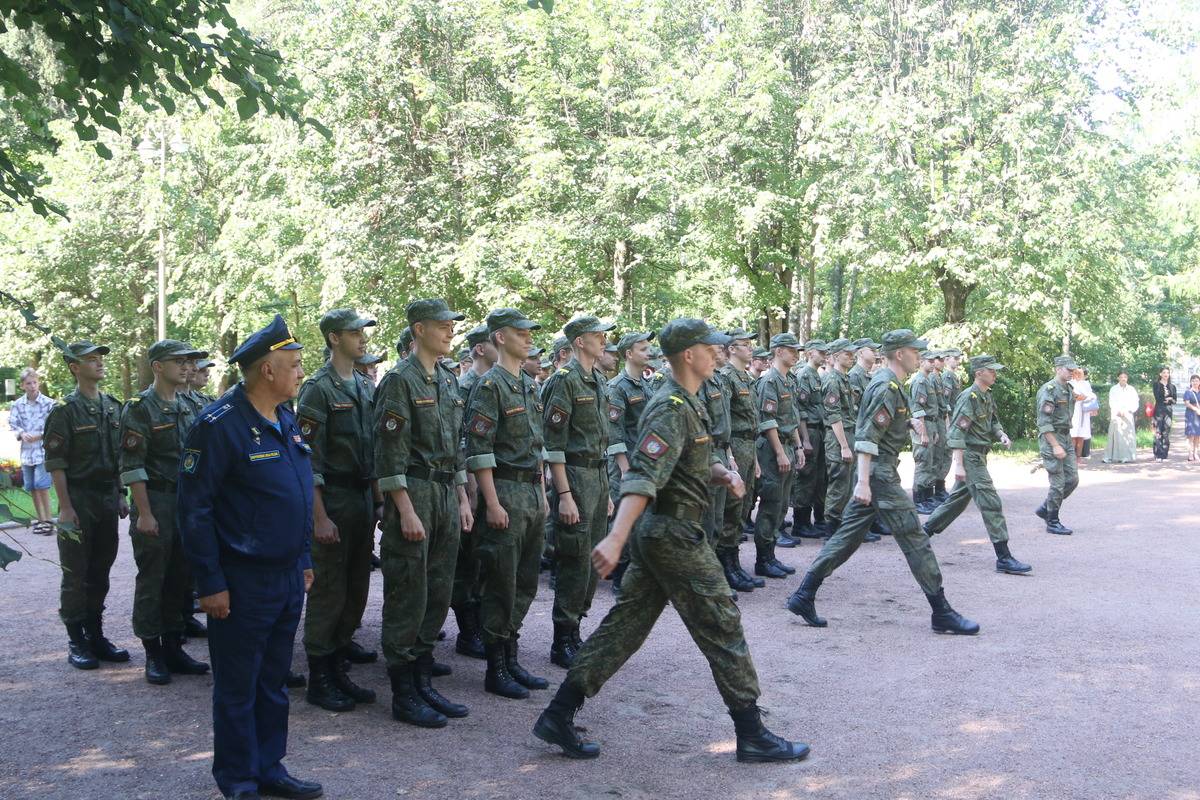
column 1084, row 683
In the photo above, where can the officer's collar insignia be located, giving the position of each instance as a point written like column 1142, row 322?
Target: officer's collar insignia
column 256, row 434
column 213, row 416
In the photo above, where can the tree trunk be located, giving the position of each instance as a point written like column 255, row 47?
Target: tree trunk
column 622, row 256
column 954, row 294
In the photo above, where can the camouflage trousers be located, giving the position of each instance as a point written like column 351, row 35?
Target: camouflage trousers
column 672, row 562
column 163, row 581
column 341, row 572
column 941, row 464
column 718, row 496
column 895, row 508
column 808, row 486
column 774, row 492
column 839, row 474
column 734, row 513
column 978, row 487
column 575, row 582
column 418, row 576
column 87, row 562
column 1064, row 475
column 925, row 456
column 509, row 559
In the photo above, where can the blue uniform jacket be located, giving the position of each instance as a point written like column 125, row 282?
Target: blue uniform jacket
column 245, row 491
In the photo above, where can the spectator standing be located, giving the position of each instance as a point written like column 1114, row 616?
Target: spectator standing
column 1165, row 396
column 1191, row 419
column 27, row 420
column 1085, row 408
column 1123, row 405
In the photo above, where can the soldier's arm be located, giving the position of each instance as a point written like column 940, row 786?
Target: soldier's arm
column 832, row 409
column 556, row 426
column 58, row 446
column 135, row 435
column 616, row 429
column 1045, row 421
column 878, row 410
column 482, row 417
column 313, row 413
column 393, row 449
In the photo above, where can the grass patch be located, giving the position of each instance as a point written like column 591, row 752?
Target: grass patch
column 1027, row 449
column 20, row 502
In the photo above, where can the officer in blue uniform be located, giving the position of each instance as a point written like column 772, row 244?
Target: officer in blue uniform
column 246, row 518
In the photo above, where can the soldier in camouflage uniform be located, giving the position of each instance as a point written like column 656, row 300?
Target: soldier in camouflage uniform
column 575, row 425
column 715, row 394
column 926, row 414
column 504, row 450
column 627, row 396
column 808, row 486
column 1055, row 406
column 673, row 466
column 760, row 362
column 780, row 452
column 196, row 391
column 838, row 412
column 419, row 464
column 941, row 451
column 153, row 427
column 743, row 427
column 859, row 377
column 883, row 421
column 974, row 428
column 951, row 389
column 81, row 439
column 367, row 365
column 335, row 419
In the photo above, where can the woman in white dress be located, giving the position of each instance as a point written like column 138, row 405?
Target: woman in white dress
column 1123, row 406
column 1085, row 409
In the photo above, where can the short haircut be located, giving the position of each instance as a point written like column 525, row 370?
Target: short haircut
column 27, row 373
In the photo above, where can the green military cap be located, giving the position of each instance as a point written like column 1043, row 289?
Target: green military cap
column 953, row 352
column 785, row 339
column 739, row 333
column 859, row 344
column 449, row 363
column 465, row 355
column 1065, row 361
column 985, row 362
column 761, row 352
column 840, row 346
column 559, row 344
column 630, row 339
column 895, row 340
column 344, row 319
column 434, row 309
column 534, row 352
column 545, row 364
column 369, row 359
column 680, row 334
column 509, row 318
column 77, row 350
column 610, row 348
column 928, row 355
column 404, row 343
column 586, row 324
column 477, row 335
column 205, row 363
column 173, row 348
column 817, row 345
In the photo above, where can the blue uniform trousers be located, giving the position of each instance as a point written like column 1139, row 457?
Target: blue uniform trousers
column 251, row 652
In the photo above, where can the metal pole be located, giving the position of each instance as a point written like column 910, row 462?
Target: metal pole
column 162, row 237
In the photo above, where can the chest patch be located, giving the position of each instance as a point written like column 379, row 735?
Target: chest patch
column 264, row 455
column 743, row 392
column 584, row 399
column 191, row 460
column 653, row 447
column 164, row 427
column 636, row 398
column 702, row 439
column 424, row 402
column 85, row 428
column 347, row 406
column 512, row 412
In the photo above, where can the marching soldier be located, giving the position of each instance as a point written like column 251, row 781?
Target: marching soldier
column 575, row 419
column 780, row 451
column 82, row 441
column 837, row 411
column 859, row 375
column 951, row 389
column 418, row 428
column 198, row 383
column 743, row 427
column 404, row 343
column 715, row 394
column 808, row 486
column 883, row 422
column 335, row 420
column 153, row 427
column 672, row 468
column 1055, row 405
column 926, row 405
column 974, row 428
column 941, row 450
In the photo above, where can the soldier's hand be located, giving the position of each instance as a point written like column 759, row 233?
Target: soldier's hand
column 605, row 556
column 1059, row 453
column 808, row 448
column 217, row 605
column 465, row 518
column 308, row 580
column 411, row 527
column 736, row 487
column 325, row 531
column 611, row 507
column 960, row 475
column 757, row 470
column 568, row 512
column 924, row 439
column 801, row 458
column 862, row 493
column 783, row 463
column 148, row 525
column 497, row 517
column 847, row 456
column 67, row 517
column 1004, row 440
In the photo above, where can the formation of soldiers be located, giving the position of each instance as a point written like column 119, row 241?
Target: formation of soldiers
column 647, row 460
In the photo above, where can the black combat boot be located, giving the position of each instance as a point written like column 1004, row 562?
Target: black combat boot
column 728, row 559
column 422, row 673
column 101, row 647
column 556, row 725
column 923, row 500
column 802, row 526
column 468, row 642
column 803, row 601
column 820, row 524
column 295, row 680
column 497, row 679
column 758, row 583
column 519, row 673
column 563, row 650
column 784, row 539
column 757, row 744
column 177, row 659
column 193, row 628
column 341, row 679
column 407, row 705
column 1006, row 562
column 441, row 670
column 322, row 691
column 1042, row 512
column 764, row 564
column 79, row 650
column 946, row 620
column 156, row 668
column 355, row 653
column 940, row 495
column 878, row 526
column 775, row 562
column 1054, row 524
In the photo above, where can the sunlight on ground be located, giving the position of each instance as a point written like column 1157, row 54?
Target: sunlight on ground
column 724, row 747
column 977, row 786
column 205, row 755
column 983, row 727
column 94, row 759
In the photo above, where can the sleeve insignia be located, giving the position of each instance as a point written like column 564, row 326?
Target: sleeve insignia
column 1047, row 407
column 392, row 422
column 309, row 428
column 133, row 440
column 558, row 417
column 653, row 446
column 923, row 399
column 964, row 422
column 481, row 425
column 882, row 418
column 53, row 443
column 614, row 412
column 191, row 460
column 803, row 396
column 769, row 406
column 831, row 399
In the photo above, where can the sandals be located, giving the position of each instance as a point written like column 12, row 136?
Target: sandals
column 43, row 528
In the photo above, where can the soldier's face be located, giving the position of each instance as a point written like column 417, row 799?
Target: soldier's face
column 845, row 360
column 607, row 360
column 200, row 378
column 1063, row 374
column 986, row 377
column 350, row 344
column 434, row 336
column 908, row 357
column 638, row 355
column 816, row 358
column 786, row 357
column 515, row 342
column 89, row 368
column 173, row 371
column 591, row 344
column 703, row 358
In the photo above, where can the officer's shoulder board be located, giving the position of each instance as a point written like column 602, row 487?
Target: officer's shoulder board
column 137, row 398
column 676, row 399
column 563, row 371
column 213, row 416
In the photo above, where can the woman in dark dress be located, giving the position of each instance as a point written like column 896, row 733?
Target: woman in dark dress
column 1164, row 408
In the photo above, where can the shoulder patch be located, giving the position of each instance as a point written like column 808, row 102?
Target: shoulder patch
column 135, row 399
column 831, row 399
column 769, row 406
column 614, row 412
column 53, row 443
column 309, row 428
column 481, row 425
column 392, row 422
column 1048, row 407
column 191, row 460
column 564, row 371
column 653, row 446
column 558, row 416
column 676, row 399
column 132, row 441
column 215, row 415
column 882, row 417
column 964, row 422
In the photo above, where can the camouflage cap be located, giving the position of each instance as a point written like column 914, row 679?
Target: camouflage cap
column 680, row 334
column 509, row 318
column 630, row 339
column 559, row 344
column 535, row 352
column 545, row 364
column 898, row 339
column 205, row 363
column 737, row 334
column 953, row 352
column 586, row 324
column 1065, row 361
column 369, row 359
column 433, row 309
column 465, row 355
column 610, row 348
column 840, row 346
column 761, row 352
column 985, row 362
column 816, row 344
column 344, row 319
column 173, row 348
column 404, row 343
column 928, row 355
column 77, row 350
column 477, row 335
column 859, row 344
column 785, row 339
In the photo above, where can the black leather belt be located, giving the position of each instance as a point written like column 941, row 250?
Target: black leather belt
column 166, row 487
column 584, row 461
column 97, row 485
column 347, row 482
column 432, row 475
column 506, row 473
column 742, row 435
column 815, row 426
column 666, row 508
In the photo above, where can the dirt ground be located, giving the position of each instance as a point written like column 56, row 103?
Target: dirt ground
column 1084, row 682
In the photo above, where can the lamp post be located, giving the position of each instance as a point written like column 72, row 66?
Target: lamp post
column 159, row 140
